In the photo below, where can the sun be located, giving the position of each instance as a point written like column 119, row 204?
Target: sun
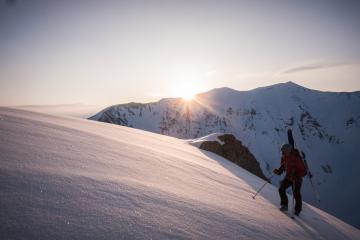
column 188, row 96
column 186, row 89
column 187, row 93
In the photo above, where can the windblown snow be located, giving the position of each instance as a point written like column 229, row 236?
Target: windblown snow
column 67, row 178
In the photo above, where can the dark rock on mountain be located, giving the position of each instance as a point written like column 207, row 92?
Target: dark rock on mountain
column 233, row 150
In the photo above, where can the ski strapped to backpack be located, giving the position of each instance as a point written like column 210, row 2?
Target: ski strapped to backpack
column 303, row 157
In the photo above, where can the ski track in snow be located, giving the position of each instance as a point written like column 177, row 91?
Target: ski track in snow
column 67, row 178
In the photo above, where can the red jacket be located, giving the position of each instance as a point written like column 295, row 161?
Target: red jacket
column 293, row 165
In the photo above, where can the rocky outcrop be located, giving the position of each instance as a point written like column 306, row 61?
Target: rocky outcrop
column 233, row 150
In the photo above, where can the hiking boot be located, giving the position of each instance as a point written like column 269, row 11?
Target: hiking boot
column 283, row 208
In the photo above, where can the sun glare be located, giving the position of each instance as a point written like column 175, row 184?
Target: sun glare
column 186, row 91
column 188, row 96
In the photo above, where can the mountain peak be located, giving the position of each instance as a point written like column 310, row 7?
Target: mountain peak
column 220, row 90
column 291, row 84
column 285, row 85
column 226, row 90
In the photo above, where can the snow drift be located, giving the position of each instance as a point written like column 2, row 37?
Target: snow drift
column 67, row 178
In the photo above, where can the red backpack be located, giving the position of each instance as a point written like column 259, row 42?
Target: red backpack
column 294, row 165
column 300, row 167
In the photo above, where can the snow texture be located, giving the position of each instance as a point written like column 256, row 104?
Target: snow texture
column 67, row 178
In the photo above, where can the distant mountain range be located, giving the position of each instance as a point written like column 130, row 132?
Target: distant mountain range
column 326, row 126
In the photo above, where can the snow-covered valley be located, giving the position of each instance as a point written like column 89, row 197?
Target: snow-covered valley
column 67, row 178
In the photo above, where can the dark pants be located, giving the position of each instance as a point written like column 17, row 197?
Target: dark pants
column 284, row 184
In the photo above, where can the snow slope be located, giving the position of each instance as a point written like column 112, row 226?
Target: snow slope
column 326, row 126
column 68, row 178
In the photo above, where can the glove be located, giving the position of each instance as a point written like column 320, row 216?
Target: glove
column 276, row 171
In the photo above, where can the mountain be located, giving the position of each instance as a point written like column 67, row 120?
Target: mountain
column 326, row 127
column 68, row 178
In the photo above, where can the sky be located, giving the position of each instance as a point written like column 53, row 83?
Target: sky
column 109, row 52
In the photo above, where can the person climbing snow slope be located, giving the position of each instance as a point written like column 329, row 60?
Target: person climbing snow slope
column 295, row 170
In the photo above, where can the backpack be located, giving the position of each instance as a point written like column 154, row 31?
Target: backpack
column 300, row 167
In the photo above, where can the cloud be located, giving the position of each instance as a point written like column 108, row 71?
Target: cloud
column 314, row 66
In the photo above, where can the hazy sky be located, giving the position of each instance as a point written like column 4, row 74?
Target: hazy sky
column 107, row 52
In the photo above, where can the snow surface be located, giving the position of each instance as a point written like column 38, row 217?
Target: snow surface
column 214, row 137
column 67, row 178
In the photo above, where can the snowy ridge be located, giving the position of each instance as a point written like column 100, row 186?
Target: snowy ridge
column 326, row 126
column 211, row 137
column 76, row 179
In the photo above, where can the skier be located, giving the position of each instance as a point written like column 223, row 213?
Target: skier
column 295, row 169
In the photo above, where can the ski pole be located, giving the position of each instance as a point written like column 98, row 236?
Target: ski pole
column 258, row 191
